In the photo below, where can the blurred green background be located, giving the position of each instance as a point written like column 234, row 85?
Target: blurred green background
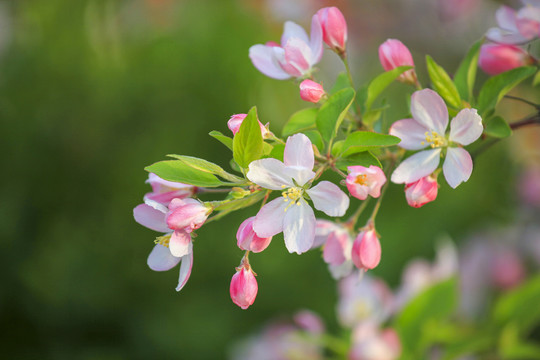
column 91, row 91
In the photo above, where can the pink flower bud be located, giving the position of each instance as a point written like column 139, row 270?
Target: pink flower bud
column 164, row 191
column 421, row 192
column 498, row 58
column 186, row 214
column 311, row 91
column 366, row 251
column 243, row 287
column 235, row 122
column 392, row 54
column 248, row 240
column 363, row 181
column 334, row 28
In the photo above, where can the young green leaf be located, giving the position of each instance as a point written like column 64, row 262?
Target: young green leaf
column 236, row 204
column 179, row 171
column 341, row 83
column 381, row 82
column 443, row 84
column 225, row 140
column 497, row 127
column 365, row 159
column 277, row 152
column 300, row 121
column 466, row 73
column 332, row 113
column 315, row 138
column 536, row 79
column 497, row 86
column 207, row 166
column 360, row 141
column 248, row 141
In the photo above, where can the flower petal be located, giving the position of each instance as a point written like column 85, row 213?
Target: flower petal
column 416, row 166
column 316, row 43
column 299, row 227
column 269, row 220
column 429, row 109
column 270, row 174
column 293, row 30
column 151, row 216
column 161, row 259
column 263, row 59
column 329, row 198
column 299, row 158
column 466, row 127
column 185, row 269
column 457, row 167
column 506, row 18
column 298, row 57
column 411, row 133
column 502, row 36
column 335, row 248
column 179, row 245
column 323, row 228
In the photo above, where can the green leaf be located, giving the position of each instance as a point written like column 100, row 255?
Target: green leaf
column 381, row 82
column 207, row 166
column 332, row 113
column 236, row 204
column 443, row 84
column 431, row 306
column 359, row 141
column 536, row 79
column 300, row 121
column 365, row 159
column 179, row 171
column 497, row 86
column 520, row 306
column 225, row 140
column 277, row 152
column 248, row 141
column 466, row 73
column 497, row 127
column 342, row 82
column 316, row 138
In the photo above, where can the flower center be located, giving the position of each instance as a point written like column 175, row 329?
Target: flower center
column 361, row 179
column 435, row 139
column 163, row 240
column 293, row 195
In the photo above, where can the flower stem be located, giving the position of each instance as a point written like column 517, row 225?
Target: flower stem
column 537, row 106
column 354, row 217
column 348, row 69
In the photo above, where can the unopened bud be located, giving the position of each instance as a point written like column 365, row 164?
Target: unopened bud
column 334, row 28
column 366, row 251
column 392, row 54
column 247, row 239
column 243, row 287
column 498, row 58
column 311, row 91
column 421, row 191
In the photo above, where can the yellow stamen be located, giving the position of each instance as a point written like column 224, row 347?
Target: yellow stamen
column 163, row 240
column 435, row 140
column 361, row 179
column 293, row 194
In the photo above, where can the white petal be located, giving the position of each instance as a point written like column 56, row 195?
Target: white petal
column 501, row 36
column 429, row 109
column 269, row 220
column 151, row 217
column 293, row 30
column 323, row 228
column 466, row 127
column 263, row 58
column 411, row 133
column 506, row 18
column 329, row 198
column 161, row 259
column 299, row 152
column 316, row 43
column 180, row 243
column 185, row 270
column 416, row 166
column 270, row 174
column 299, row 227
column 457, row 167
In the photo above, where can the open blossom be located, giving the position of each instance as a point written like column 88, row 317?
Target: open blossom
column 392, row 54
column 164, row 191
column 337, row 243
column 366, row 251
column 244, row 287
column 334, row 28
column 428, row 128
column 516, row 27
column 291, row 213
column 497, row 58
column 296, row 55
column 171, row 248
column 248, row 240
column 311, row 91
column 421, row 191
column 236, row 120
column 363, row 181
column 371, row 343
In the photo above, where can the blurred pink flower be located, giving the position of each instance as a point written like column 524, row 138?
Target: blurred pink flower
column 496, row 58
column 366, row 250
column 516, row 27
column 371, row 343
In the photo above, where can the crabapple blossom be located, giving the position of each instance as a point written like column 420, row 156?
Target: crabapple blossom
column 243, row 287
column 427, row 128
column 311, row 91
column 421, row 191
column 392, row 54
column 296, row 55
column 164, row 191
column 366, row 250
column 334, row 28
column 516, row 27
column 363, row 181
column 290, row 213
column 337, row 247
column 248, row 240
column 371, row 343
column 236, row 120
column 497, row 58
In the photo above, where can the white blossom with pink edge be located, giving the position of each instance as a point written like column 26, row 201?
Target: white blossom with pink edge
column 296, row 55
column 164, row 191
column 363, row 181
column 290, row 213
column 428, row 128
column 153, row 215
column 516, row 27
